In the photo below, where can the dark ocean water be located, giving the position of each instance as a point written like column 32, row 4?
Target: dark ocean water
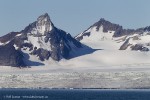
column 77, row 94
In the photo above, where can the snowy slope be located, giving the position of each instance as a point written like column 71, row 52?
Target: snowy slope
column 108, row 45
column 103, row 66
column 137, row 42
column 38, row 42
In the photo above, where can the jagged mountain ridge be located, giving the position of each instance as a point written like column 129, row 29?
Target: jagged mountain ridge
column 45, row 31
column 104, row 30
column 107, row 26
column 40, row 39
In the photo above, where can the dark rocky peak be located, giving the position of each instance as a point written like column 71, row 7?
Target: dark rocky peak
column 44, row 24
column 44, row 16
column 107, row 26
column 147, row 28
column 142, row 30
column 52, row 42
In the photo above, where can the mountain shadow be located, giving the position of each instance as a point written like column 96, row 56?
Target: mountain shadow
column 82, row 51
column 29, row 62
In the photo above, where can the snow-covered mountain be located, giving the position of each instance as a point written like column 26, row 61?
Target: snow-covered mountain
column 118, row 47
column 111, row 63
column 40, row 41
column 125, row 39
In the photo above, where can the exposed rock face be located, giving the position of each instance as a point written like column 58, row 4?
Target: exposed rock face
column 139, row 47
column 135, row 47
column 40, row 27
column 125, row 45
column 103, row 30
column 40, row 39
column 41, row 53
column 11, row 57
column 61, row 43
column 44, row 24
column 147, row 28
column 107, row 26
column 8, row 37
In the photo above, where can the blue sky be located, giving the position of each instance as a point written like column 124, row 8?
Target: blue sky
column 73, row 16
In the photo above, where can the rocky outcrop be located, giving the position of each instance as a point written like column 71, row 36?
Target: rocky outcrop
column 139, row 47
column 8, row 37
column 135, row 47
column 107, row 26
column 11, row 57
column 41, row 53
column 125, row 45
